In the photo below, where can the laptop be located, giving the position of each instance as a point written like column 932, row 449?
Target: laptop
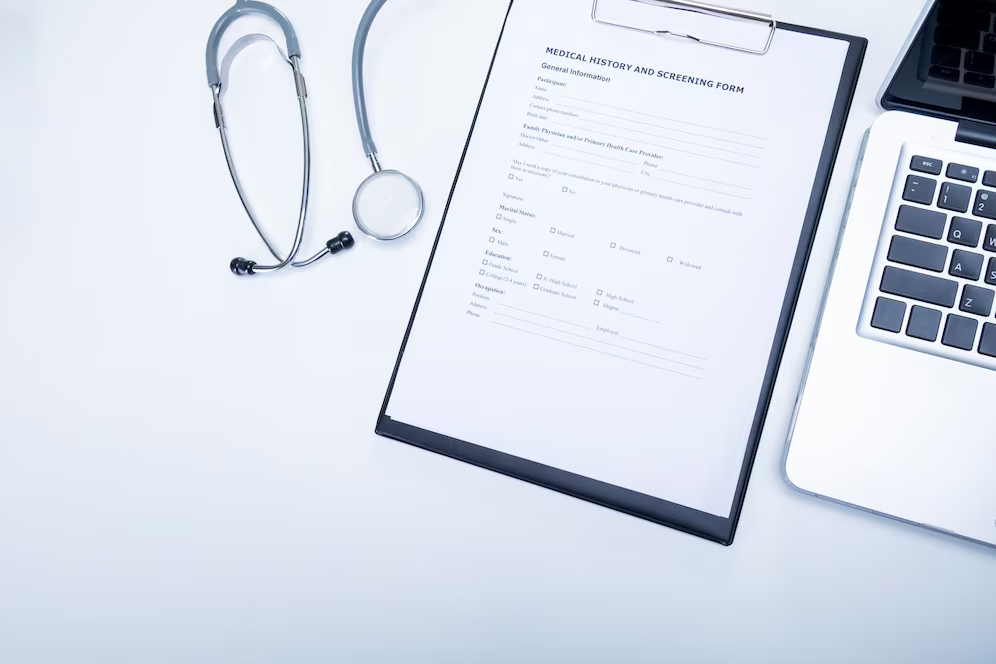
column 897, row 410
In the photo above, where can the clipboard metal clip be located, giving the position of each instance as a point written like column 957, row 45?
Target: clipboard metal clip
column 739, row 30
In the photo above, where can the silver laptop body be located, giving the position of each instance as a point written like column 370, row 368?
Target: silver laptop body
column 897, row 411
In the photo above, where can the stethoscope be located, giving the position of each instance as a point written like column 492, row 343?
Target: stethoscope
column 387, row 204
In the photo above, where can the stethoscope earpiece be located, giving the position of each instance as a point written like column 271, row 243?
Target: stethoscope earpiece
column 341, row 242
column 242, row 267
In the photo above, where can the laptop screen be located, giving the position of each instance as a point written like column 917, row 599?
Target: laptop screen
column 950, row 68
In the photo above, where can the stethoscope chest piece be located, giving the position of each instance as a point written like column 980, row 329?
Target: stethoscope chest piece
column 388, row 205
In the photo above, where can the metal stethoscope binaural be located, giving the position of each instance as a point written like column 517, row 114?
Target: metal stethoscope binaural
column 388, row 203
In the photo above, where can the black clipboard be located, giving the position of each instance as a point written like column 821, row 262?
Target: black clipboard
column 679, row 517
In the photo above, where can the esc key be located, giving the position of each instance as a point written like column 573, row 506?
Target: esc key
column 926, row 165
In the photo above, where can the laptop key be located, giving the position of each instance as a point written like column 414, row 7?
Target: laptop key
column 946, row 56
column 989, row 244
column 918, row 221
column 991, row 272
column 954, row 196
column 959, row 332
column 965, row 232
column 985, row 204
column 924, row 323
column 989, row 43
column 963, row 17
column 949, row 35
column 888, row 314
column 982, row 63
column 945, row 73
column 980, row 80
column 917, row 286
column 976, row 300
column 963, row 173
column 917, row 253
column 989, row 179
column 966, row 265
column 987, row 345
column 927, row 165
column 921, row 190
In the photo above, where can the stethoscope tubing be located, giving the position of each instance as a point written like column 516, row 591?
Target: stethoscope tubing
column 359, row 88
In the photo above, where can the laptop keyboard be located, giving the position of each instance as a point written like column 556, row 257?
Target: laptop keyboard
column 964, row 49
column 933, row 284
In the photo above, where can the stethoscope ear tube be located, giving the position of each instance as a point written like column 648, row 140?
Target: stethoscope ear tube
column 240, row 9
column 218, row 80
column 243, row 267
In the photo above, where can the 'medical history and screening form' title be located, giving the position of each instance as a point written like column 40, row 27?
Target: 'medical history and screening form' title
column 637, row 69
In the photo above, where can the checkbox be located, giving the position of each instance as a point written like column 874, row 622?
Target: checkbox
column 511, row 177
column 535, row 286
column 539, row 276
column 670, row 259
column 596, row 303
column 612, row 246
column 546, row 253
column 553, row 230
column 484, row 262
column 598, row 292
column 564, row 190
column 482, row 272
column 498, row 216
column 491, row 240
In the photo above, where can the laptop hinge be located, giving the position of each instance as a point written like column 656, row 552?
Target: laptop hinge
column 976, row 133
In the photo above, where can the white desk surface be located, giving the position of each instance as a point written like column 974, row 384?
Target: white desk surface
column 188, row 470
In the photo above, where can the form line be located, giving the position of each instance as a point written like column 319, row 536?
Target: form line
column 595, row 350
column 663, row 348
column 649, row 320
column 593, row 154
column 583, row 327
column 668, row 138
column 662, row 117
column 696, row 177
column 599, row 341
column 651, row 124
column 692, row 186
column 663, row 147
column 585, row 161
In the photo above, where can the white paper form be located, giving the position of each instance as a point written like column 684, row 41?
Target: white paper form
column 605, row 292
